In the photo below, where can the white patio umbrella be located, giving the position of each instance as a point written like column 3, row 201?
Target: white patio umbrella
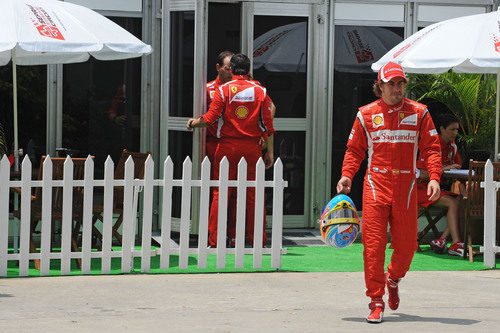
column 357, row 47
column 42, row 32
column 283, row 49
column 469, row 44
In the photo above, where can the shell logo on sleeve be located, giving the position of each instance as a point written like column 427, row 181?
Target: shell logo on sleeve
column 378, row 120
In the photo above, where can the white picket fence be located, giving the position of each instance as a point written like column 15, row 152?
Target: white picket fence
column 131, row 186
column 490, row 211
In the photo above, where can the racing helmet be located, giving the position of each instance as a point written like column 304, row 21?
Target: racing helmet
column 339, row 223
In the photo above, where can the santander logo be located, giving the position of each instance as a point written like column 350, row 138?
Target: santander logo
column 398, row 136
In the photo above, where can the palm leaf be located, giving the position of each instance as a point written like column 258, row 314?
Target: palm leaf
column 470, row 97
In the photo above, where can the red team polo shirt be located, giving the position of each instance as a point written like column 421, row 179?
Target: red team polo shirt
column 449, row 155
column 211, row 88
column 449, row 152
column 241, row 109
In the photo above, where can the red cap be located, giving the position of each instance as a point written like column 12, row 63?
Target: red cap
column 389, row 71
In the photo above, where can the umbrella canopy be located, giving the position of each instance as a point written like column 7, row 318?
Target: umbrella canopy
column 42, row 32
column 469, row 44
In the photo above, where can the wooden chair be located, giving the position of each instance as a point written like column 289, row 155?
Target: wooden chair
column 57, row 198
column 433, row 216
column 139, row 160
column 474, row 203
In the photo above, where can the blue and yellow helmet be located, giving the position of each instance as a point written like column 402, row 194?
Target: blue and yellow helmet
column 340, row 222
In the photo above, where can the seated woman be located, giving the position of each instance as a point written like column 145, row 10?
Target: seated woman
column 448, row 128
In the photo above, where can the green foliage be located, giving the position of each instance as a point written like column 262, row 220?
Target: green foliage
column 470, row 97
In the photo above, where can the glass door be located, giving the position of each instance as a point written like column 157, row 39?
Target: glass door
column 182, row 22
column 280, row 51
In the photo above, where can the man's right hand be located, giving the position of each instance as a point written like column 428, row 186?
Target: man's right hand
column 344, row 185
column 190, row 124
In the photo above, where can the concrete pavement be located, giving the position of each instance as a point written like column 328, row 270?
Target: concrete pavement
column 246, row 302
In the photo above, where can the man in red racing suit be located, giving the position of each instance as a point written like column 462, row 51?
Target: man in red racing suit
column 243, row 112
column 391, row 129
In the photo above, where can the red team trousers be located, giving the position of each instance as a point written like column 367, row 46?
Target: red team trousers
column 232, row 149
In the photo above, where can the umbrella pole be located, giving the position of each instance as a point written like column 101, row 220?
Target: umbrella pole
column 497, row 124
column 14, row 87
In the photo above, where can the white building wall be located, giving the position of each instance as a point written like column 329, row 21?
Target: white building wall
column 121, row 5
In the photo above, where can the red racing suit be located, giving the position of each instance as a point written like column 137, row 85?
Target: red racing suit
column 449, row 155
column 391, row 135
column 242, row 111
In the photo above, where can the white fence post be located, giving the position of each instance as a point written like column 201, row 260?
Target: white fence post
column 222, row 213
column 490, row 210
column 67, row 216
column 241, row 203
column 46, row 235
column 166, row 214
column 260, row 174
column 128, row 239
column 204, row 213
column 24, row 242
column 187, row 168
column 4, row 213
column 147, row 216
column 277, row 231
column 107, row 218
column 88, row 196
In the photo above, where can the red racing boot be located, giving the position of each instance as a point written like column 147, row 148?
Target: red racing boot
column 376, row 312
column 392, row 288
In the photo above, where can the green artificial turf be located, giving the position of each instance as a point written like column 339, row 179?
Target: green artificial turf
column 297, row 259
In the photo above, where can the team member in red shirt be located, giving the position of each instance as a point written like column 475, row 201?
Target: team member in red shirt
column 448, row 128
column 390, row 129
column 223, row 75
column 243, row 113
column 114, row 112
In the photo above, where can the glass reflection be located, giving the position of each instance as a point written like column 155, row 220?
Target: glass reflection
column 181, row 64
column 102, row 105
column 356, row 48
column 32, row 110
column 290, row 148
column 280, row 62
column 178, row 152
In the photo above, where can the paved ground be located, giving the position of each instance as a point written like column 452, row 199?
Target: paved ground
column 246, row 302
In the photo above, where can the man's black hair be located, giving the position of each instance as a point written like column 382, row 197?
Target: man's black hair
column 445, row 120
column 223, row 55
column 240, row 64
